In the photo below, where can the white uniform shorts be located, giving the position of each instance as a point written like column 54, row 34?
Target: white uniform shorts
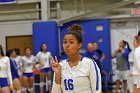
column 121, row 75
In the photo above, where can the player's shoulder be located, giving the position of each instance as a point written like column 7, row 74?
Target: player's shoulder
column 32, row 56
column 63, row 62
column 48, row 53
column 39, row 53
column 6, row 58
column 23, row 57
column 84, row 60
column 87, row 60
column 138, row 48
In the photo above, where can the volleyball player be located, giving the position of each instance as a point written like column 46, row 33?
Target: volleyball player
column 16, row 57
column 14, row 71
column 5, row 73
column 134, row 72
column 27, row 64
column 123, row 67
column 76, row 74
column 44, row 57
column 137, row 62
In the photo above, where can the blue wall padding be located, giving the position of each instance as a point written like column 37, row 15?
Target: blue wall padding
column 91, row 34
column 46, row 32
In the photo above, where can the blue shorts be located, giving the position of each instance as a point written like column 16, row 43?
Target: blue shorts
column 15, row 76
column 47, row 69
column 28, row 75
column 3, row 82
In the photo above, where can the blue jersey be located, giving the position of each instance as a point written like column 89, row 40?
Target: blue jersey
column 92, row 55
column 14, row 70
column 89, row 54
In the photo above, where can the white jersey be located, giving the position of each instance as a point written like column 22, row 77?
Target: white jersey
column 5, row 69
column 136, row 67
column 27, row 63
column 44, row 58
column 17, row 59
column 83, row 78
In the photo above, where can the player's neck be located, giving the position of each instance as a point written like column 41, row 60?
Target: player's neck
column 74, row 58
column 28, row 56
column 44, row 51
column 1, row 56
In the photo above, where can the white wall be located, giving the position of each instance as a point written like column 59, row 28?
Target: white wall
column 14, row 29
column 123, row 31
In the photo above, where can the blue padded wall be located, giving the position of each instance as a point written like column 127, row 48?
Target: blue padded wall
column 46, row 32
column 91, row 34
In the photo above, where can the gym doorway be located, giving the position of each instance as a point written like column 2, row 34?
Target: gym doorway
column 20, row 42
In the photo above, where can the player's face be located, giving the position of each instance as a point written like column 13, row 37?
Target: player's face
column 95, row 46
column 90, row 47
column 139, row 39
column 121, row 44
column 135, row 43
column 44, row 47
column 14, row 54
column 71, row 45
column 28, row 52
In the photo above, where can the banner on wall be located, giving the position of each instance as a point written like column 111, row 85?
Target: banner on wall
column 7, row 1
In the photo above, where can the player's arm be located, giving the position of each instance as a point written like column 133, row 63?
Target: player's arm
column 21, row 65
column 57, row 76
column 9, row 74
column 125, row 52
column 95, row 78
column 38, row 63
column 34, row 63
column 102, row 57
column 50, row 58
column 56, row 87
column 114, row 53
column 138, row 60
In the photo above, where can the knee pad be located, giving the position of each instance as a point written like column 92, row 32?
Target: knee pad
column 30, row 89
column 49, row 82
column 14, row 91
column 23, row 89
column 41, row 84
column 18, row 91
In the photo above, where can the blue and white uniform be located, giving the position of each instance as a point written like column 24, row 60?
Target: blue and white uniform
column 83, row 78
column 44, row 58
column 5, row 72
column 14, row 70
column 27, row 65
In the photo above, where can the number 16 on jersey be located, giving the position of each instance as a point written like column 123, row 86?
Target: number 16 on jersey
column 68, row 83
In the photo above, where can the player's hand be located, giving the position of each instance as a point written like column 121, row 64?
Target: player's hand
column 11, row 87
column 56, row 66
column 131, row 74
column 95, row 57
column 120, row 48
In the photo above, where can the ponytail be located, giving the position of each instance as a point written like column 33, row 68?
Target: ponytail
column 128, row 47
